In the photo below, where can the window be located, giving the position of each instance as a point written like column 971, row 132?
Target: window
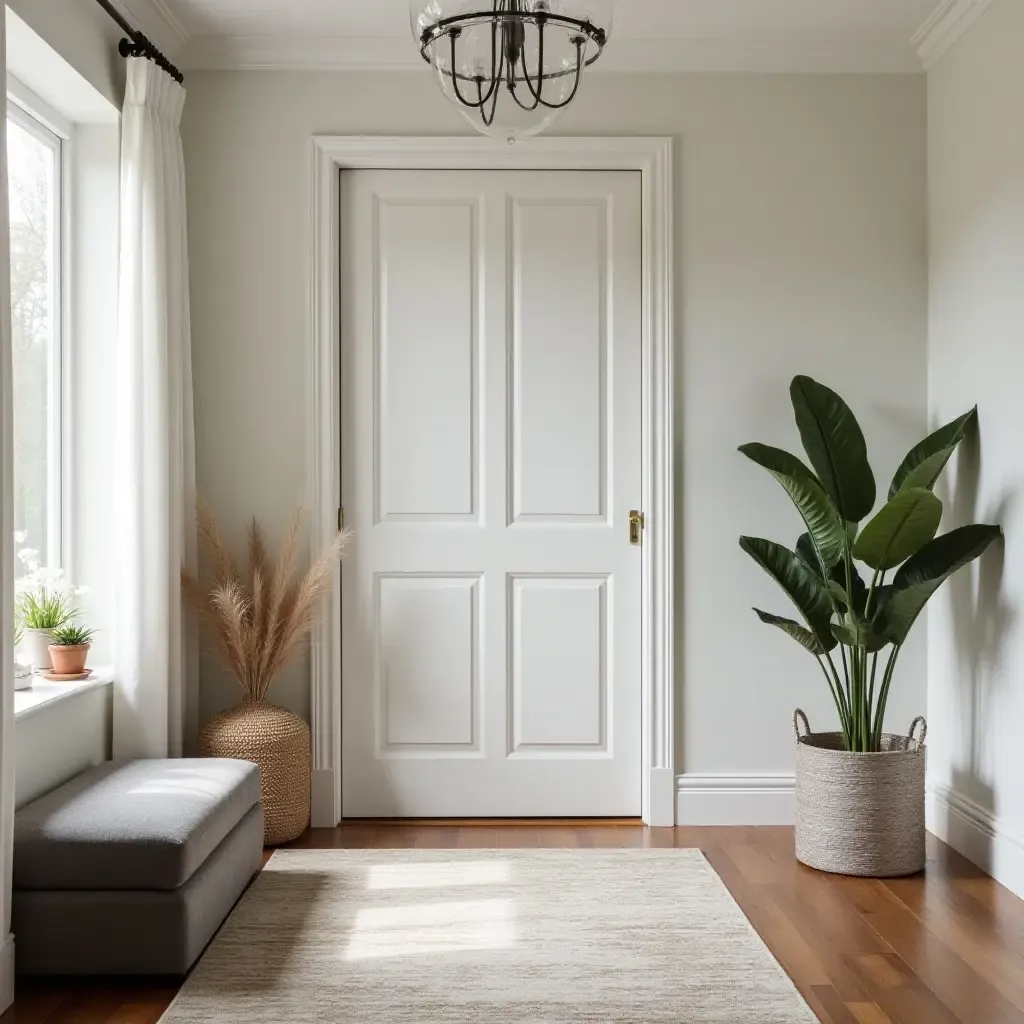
column 34, row 178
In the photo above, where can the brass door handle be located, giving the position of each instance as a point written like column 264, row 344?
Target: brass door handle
column 636, row 526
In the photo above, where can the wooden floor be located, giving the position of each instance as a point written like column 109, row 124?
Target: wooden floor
column 941, row 948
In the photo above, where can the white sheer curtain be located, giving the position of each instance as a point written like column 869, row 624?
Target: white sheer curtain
column 6, row 576
column 155, row 696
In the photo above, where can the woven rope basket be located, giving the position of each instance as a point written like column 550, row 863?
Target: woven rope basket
column 278, row 741
column 860, row 814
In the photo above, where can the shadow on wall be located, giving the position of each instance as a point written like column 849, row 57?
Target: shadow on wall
column 981, row 620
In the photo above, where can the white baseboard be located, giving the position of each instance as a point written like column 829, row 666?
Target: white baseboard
column 323, row 809
column 703, row 799
column 661, row 804
column 979, row 835
column 7, row 972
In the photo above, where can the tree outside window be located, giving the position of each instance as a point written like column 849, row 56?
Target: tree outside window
column 34, row 181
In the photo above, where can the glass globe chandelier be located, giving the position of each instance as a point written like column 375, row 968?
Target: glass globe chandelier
column 510, row 67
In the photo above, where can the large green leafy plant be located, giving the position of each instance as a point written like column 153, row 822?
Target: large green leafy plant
column 868, row 620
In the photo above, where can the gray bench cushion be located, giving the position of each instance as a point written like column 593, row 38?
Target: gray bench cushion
column 134, row 932
column 132, row 825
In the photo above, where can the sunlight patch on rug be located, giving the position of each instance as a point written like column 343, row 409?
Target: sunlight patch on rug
column 424, row 929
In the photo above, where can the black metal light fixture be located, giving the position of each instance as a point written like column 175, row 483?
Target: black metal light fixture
column 510, row 67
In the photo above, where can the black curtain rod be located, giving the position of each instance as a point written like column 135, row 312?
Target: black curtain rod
column 138, row 45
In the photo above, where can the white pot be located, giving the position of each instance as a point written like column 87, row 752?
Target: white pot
column 36, row 649
column 22, row 676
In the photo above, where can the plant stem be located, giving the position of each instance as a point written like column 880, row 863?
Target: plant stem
column 838, row 698
column 871, row 692
column 839, row 688
column 856, row 698
column 871, row 594
column 883, row 698
column 846, row 677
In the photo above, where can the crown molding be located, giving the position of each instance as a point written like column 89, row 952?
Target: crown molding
column 325, row 53
column 950, row 20
column 156, row 20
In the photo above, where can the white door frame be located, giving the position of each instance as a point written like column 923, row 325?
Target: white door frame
column 652, row 157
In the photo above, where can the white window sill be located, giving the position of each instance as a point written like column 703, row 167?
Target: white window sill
column 43, row 694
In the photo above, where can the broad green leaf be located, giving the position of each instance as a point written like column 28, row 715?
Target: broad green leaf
column 837, row 574
column 835, row 445
column 923, row 574
column 819, row 514
column 804, row 588
column 926, row 473
column 860, row 588
column 855, row 632
column 802, row 636
column 899, row 529
column 947, row 437
column 806, row 553
column 879, row 602
column 836, row 584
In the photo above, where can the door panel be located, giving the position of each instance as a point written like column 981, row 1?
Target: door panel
column 490, row 457
column 426, row 418
column 427, row 674
column 559, row 354
column 559, row 665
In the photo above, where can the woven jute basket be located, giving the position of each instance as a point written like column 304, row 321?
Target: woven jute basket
column 860, row 814
column 278, row 741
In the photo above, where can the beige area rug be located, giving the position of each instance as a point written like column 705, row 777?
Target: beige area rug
column 475, row 937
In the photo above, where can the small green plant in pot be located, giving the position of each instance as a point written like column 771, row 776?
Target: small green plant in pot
column 43, row 601
column 69, row 649
column 41, row 610
column 855, row 624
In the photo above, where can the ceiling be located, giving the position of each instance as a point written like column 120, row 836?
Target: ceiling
column 648, row 35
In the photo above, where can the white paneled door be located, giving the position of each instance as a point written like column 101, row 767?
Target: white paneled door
column 491, row 456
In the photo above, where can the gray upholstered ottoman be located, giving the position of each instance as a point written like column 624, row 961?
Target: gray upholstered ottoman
column 131, row 867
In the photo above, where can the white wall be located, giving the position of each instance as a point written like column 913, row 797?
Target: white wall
column 96, row 178
column 800, row 247
column 976, row 354
column 61, row 739
column 84, row 35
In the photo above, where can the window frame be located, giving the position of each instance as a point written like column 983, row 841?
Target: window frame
column 31, row 113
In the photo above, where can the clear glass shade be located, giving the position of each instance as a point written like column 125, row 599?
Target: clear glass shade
column 510, row 67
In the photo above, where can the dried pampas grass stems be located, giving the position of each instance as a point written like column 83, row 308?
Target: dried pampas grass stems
column 259, row 614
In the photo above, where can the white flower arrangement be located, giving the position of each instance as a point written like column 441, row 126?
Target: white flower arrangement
column 43, row 597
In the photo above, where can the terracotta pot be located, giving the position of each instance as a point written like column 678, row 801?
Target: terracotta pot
column 277, row 741
column 69, row 661
column 36, row 648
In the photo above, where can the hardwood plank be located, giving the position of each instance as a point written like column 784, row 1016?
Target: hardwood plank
column 136, row 1013
column 518, row 837
column 610, row 836
column 494, row 822
column 901, row 993
column 807, row 950
column 33, row 1006
column 430, row 838
column 477, row 838
column 985, row 993
column 558, row 838
column 945, row 947
column 824, row 1000
column 867, row 1013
